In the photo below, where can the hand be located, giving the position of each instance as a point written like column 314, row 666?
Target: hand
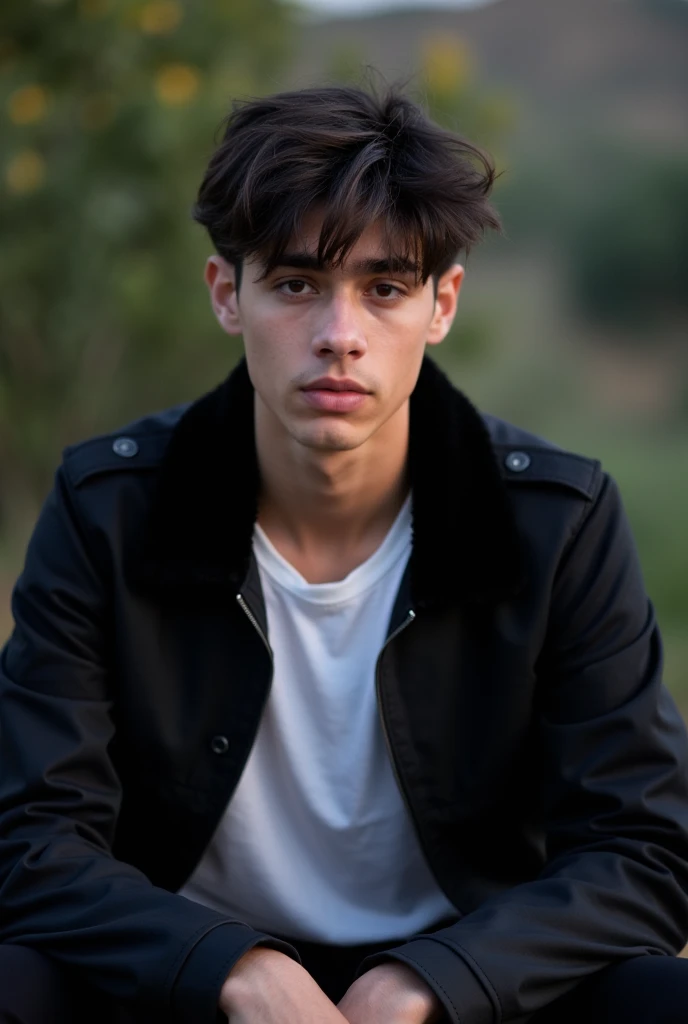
column 391, row 993
column 268, row 987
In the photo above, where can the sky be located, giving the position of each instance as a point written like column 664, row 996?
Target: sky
column 360, row 6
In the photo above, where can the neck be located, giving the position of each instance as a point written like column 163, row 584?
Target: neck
column 327, row 511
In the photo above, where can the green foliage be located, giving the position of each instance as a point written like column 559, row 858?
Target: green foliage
column 617, row 219
column 108, row 111
column 629, row 248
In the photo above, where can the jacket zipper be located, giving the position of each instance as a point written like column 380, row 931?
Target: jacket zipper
column 385, row 732
column 256, row 625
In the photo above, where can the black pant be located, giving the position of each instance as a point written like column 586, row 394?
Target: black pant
column 645, row 990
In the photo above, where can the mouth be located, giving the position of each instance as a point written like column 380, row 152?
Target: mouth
column 335, row 395
column 336, row 384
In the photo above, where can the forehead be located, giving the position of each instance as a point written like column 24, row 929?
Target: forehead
column 374, row 240
column 375, row 250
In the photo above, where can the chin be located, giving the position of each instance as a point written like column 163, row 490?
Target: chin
column 331, row 439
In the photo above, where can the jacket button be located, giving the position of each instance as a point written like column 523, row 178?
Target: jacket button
column 126, row 447
column 517, row 462
column 219, row 744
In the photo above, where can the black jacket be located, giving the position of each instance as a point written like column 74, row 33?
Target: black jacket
column 541, row 760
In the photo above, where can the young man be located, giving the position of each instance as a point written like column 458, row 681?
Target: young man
column 329, row 699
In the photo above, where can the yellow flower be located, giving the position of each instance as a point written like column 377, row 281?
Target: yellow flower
column 160, row 17
column 28, row 105
column 447, row 64
column 176, row 84
column 25, row 172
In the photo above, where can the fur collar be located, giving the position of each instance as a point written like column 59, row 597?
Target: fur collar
column 465, row 542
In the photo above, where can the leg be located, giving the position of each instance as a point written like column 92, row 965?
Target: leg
column 642, row 990
column 33, row 990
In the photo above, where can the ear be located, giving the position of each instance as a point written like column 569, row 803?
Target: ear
column 221, row 280
column 448, row 288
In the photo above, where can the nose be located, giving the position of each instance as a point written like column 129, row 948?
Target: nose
column 340, row 332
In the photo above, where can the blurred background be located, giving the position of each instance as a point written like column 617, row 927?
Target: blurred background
column 574, row 324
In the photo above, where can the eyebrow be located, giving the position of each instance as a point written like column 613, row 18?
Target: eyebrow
column 309, row 261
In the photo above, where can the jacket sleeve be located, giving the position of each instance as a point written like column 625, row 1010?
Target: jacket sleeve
column 614, row 800
column 61, row 890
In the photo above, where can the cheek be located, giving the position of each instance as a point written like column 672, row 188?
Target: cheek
column 272, row 355
column 409, row 324
column 262, row 335
column 274, row 331
column 403, row 339
column 404, row 355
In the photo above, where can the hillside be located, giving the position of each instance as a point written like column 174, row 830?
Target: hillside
column 623, row 63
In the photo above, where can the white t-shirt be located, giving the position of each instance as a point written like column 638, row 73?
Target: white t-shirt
column 316, row 842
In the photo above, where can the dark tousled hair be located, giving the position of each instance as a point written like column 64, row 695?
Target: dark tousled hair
column 359, row 156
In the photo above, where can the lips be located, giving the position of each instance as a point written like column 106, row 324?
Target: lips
column 335, row 394
column 335, row 384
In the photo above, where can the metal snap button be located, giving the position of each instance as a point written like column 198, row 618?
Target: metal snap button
column 219, row 744
column 517, row 462
column 126, row 447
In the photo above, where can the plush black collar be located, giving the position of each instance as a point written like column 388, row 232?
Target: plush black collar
column 465, row 543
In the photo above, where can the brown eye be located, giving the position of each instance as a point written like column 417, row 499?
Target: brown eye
column 386, row 291
column 295, row 286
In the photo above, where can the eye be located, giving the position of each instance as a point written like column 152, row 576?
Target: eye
column 386, row 291
column 294, row 286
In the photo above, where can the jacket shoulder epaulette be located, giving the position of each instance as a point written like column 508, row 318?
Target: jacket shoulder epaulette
column 527, row 459
column 140, row 445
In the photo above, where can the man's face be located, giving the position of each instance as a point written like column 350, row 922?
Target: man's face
column 333, row 353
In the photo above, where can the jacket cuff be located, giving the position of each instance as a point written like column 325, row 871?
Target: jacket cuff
column 196, row 992
column 463, row 996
